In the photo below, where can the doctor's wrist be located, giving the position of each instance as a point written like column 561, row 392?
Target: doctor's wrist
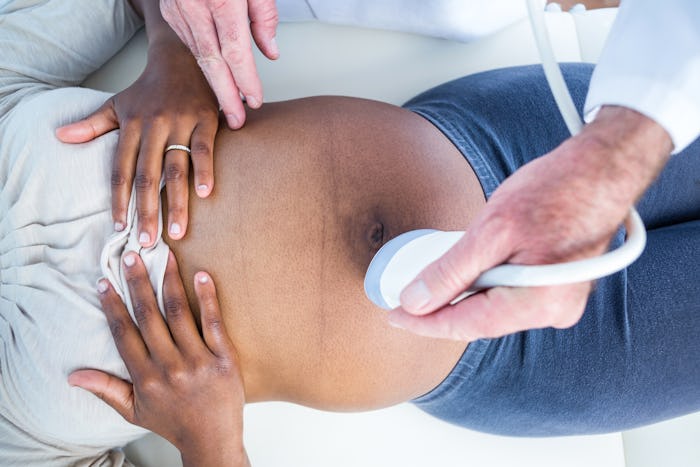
column 626, row 148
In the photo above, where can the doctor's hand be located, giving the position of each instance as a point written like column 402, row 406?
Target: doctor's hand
column 218, row 34
column 561, row 207
column 185, row 387
column 169, row 104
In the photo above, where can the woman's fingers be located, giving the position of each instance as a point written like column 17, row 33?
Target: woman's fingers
column 203, row 156
column 101, row 121
column 149, row 167
column 116, row 392
column 177, row 310
column 123, row 166
column 176, row 174
column 154, row 331
column 125, row 333
column 213, row 328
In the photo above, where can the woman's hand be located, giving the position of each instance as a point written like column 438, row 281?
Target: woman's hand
column 218, row 34
column 170, row 103
column 186, row 388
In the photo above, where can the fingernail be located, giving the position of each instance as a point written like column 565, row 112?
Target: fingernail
column 102, row 286
column 202, row 189
column 252, row 102
column 415, row 296
column 144, row 238
column 394, row 319
column 175, row 229
column 118, row 226
column 202, row 278
column 130, row 260
column 233, row 121
column 274, row 48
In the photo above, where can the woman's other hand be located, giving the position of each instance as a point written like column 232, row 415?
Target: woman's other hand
column 170, row 103
column 218, row 34
column 184, row 387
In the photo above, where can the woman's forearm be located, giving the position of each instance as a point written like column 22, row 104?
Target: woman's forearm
column 157, row 29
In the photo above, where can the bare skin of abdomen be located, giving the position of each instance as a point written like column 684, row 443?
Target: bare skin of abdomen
column 304, row 196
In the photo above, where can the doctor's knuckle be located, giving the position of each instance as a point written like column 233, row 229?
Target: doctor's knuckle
column 235, row 58
column 446, row 272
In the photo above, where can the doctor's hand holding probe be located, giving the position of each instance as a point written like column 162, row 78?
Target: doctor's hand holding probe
column 566, row 205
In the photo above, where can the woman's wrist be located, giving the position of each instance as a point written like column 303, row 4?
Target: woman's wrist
column 216, row 456
column 157, row 29
column 163, row 42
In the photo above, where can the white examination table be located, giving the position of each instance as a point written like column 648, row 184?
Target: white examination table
column 322, row 59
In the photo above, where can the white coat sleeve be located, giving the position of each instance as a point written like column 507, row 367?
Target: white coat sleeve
column 651, row 64
column 46, row 44
column 460, row 20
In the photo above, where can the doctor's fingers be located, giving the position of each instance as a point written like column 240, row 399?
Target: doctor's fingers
column 172, row 13
column 193, row 22
column 499, row 311
column 233, row 29
column 264, row 19
column 484, row 245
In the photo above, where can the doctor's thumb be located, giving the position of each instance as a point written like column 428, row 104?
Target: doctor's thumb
column 481, row 248
column 440, row 282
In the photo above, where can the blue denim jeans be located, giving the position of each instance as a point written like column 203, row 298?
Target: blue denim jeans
column 634, row 357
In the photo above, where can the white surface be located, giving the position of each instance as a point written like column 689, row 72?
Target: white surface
column 281, row 434
column 318, row 59
column 285, row 435
column 675, row 443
